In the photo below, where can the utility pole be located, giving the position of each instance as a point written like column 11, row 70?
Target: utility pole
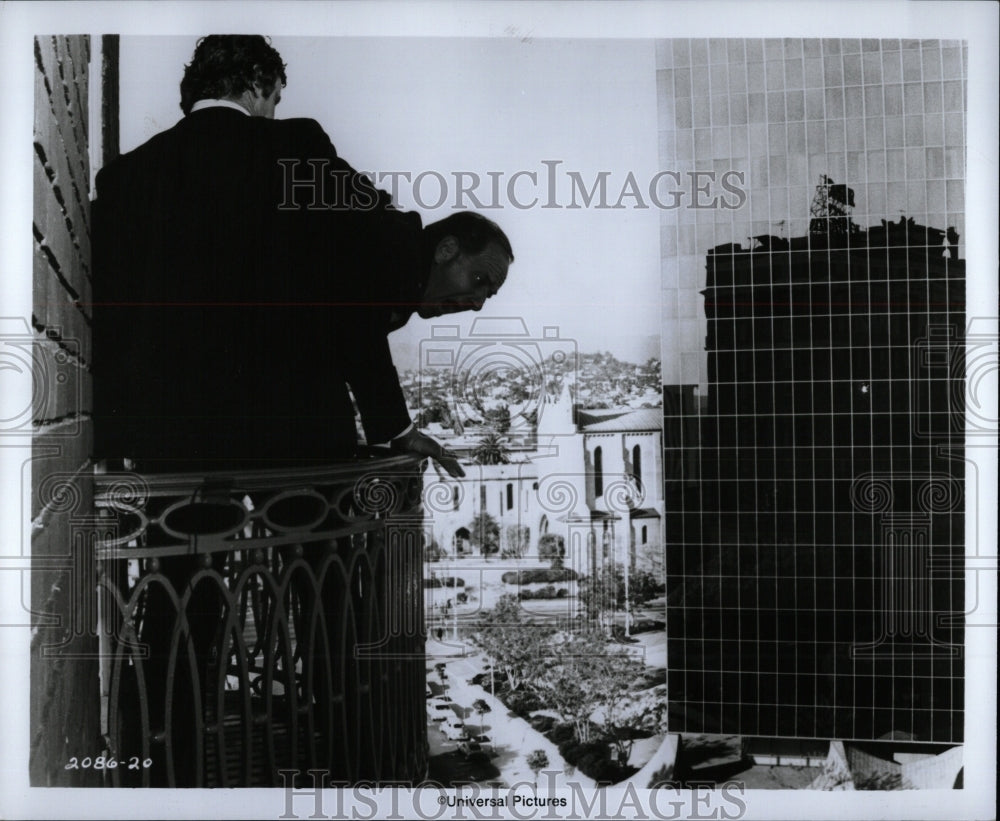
column 628, row 563
column 627, row 568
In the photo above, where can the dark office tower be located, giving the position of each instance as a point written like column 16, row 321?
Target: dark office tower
column 821, row 593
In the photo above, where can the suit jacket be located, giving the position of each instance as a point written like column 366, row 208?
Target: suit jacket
column 231, row 307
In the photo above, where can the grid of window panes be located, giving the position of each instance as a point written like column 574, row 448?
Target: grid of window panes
column 813, row 386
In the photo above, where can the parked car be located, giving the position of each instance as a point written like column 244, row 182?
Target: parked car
column 483, row 741
column 454, row 729
column 440, row 709
column 472, row 749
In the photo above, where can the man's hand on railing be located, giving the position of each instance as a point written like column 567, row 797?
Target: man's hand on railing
column 413, row 441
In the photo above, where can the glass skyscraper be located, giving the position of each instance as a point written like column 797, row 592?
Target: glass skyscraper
column 813, row 388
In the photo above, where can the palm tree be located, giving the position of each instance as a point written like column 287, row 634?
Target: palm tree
column 537, row 761
column 481, row 707
column 484, row 533
column 492, row 450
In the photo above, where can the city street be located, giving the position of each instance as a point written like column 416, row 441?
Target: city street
column 512, row 738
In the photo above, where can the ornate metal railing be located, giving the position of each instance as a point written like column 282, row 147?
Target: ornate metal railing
column 255, row 623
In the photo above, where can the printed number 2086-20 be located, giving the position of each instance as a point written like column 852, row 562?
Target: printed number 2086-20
column 104, row 763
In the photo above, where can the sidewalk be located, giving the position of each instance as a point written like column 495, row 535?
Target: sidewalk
column 512, row 737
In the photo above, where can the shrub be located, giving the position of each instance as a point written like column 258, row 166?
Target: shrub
column 576, row 752
column 647, row 626
column 605, row 770
column 539, row 574
column 547, row 592
column 560, row 733
column 551, row 547
column 523, row 703
column 483, row 680
column 446, row 581
column 592, row 758
column 542, row 723
column 570, row 750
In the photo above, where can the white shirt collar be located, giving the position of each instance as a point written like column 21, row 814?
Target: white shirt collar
column 198, row 106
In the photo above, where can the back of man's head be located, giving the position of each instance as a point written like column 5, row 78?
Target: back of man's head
column 473, row 232
column 226, row 65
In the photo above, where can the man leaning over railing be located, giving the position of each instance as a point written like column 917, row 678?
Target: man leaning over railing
column 243, row 276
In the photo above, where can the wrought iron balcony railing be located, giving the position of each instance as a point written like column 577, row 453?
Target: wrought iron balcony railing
column 260, row 622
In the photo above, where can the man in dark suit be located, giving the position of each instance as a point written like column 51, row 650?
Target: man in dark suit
column 244, row 275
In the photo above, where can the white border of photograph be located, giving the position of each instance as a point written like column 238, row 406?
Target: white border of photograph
column 974, row 22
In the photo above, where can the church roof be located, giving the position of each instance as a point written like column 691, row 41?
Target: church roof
column 644, row 513
column 621, row 419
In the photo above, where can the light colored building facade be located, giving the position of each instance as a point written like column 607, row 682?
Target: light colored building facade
column 503, row 491
column 595, row 478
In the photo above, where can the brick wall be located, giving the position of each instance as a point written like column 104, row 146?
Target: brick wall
column 65, row 695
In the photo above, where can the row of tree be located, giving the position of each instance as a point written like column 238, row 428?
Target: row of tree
column 601, row 594
column 589, row 681
column 486, row 536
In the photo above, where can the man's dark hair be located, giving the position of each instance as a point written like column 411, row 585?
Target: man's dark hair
column 226, row 65
column 473, row 232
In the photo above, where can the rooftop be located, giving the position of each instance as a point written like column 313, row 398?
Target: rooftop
column 619, row 419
